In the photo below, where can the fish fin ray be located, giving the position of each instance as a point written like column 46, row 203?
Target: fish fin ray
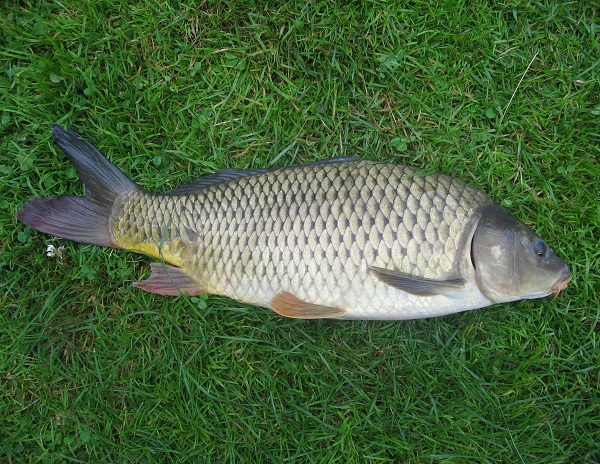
column 168, row 280
column 336, row 160
column 420, row 286
column 286, row 304
column 103, row 180
column 80, row 218
column 220, row 177
column 227, row 175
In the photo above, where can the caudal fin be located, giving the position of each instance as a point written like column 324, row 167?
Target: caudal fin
column 82, row 219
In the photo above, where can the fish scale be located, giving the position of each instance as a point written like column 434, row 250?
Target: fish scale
column 342, row 238
column 310, row 230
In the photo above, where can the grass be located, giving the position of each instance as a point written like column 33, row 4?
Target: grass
column 93, row 370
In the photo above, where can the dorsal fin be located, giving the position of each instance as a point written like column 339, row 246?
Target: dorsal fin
column 227, row 175
column 337, row 160
column 219, row 177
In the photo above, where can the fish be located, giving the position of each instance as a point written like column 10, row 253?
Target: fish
column 342, row 238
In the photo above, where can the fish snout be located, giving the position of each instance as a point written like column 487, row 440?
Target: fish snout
column 562, row 282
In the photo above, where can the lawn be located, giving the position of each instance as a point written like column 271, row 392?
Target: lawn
column 504, row 95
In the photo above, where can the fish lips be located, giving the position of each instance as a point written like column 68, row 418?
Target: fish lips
column 562, row 282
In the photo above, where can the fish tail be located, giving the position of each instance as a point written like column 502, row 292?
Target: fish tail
column 83, row 219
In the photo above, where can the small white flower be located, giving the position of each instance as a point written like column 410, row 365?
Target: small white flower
column 52, row 252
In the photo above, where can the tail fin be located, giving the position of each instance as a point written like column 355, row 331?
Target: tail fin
column 83, row 219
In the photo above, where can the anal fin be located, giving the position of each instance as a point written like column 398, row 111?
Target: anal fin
column 169, row 280
column 288, row 305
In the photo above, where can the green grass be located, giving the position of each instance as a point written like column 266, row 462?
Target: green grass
column 94, row 370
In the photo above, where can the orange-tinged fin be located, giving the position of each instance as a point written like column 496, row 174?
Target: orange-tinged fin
column 83, row 219
column 169, row 280
column 288, row 305
column 417, row 285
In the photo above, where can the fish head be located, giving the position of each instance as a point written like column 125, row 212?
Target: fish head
column 511, row 262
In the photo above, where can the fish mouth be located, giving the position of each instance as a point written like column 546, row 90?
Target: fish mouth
column 562, row 282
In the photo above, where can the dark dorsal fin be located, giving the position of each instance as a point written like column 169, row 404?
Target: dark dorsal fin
column 219, row 177
column 227, row 175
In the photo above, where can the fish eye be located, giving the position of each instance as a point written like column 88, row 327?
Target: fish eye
column 539, row 247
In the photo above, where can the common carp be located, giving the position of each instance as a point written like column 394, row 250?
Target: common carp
column 342, row 238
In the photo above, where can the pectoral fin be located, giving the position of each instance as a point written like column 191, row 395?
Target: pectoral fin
column 417, row 285
column 288, row 305
column 169, row 280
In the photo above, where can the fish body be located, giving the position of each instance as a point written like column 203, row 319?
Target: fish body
column 343, row 238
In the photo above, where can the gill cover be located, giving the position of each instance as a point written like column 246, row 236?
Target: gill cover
column 511, row 262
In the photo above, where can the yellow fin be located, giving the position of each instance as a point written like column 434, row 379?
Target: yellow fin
column 288, row 305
